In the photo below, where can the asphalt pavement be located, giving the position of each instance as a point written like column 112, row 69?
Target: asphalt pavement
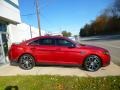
column 111, row 42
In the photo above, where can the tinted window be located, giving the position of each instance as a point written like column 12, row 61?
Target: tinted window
column 63, row 42
column 46, row 41
column 36, row 42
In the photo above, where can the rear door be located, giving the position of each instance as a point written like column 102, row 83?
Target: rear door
column 44, row 50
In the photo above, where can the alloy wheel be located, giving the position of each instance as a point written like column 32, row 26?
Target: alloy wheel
column 92, row 63
column 26, row 62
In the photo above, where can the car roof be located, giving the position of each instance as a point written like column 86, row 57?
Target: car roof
column 59, row 37
column 50, row 37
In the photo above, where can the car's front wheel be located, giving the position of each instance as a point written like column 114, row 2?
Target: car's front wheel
column 92, row 63
column 26, row 62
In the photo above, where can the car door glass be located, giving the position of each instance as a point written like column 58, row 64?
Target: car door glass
column 46, row 41
column 62, row 42
column 36, row 42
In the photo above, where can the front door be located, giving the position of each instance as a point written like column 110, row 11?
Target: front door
column 67, row 53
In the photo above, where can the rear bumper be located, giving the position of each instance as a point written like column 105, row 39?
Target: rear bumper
column 13, row 57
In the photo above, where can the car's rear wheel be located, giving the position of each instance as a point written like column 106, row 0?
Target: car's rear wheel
column 26, row 62
column 92, row 63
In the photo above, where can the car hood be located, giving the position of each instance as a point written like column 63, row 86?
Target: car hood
column 91, row 47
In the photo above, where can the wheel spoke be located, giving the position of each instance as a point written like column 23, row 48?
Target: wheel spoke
column 93, row 63
column 26, row 62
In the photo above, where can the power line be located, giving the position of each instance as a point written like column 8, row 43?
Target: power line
column 30, row 14
column 36, row 2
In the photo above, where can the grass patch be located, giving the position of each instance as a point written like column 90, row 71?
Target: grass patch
column 46, row 82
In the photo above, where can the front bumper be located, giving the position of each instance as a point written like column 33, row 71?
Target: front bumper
column 106, row 60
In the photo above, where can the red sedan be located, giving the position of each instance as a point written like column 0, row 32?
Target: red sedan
column 57, row 50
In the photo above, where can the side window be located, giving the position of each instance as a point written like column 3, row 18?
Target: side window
column 63, row 42
column 47, row 41
column 44, row 41
column 36, row 42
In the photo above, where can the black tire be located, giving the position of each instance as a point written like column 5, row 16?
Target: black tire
column 26, row 62
column 92, row 63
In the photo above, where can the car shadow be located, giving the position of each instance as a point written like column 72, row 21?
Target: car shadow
column 61, row 66
column 53, row 65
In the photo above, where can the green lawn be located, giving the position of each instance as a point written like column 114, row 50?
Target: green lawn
column 46, row 82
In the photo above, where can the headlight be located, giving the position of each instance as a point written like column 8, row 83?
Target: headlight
column 106, row 52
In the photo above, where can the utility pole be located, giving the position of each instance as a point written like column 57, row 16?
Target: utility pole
column 38, row 16
column 30, row 31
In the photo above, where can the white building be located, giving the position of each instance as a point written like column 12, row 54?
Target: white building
column 10, row 23
column 9, row 14
column 11, row 28
column 9, row 11
column 22, row 32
